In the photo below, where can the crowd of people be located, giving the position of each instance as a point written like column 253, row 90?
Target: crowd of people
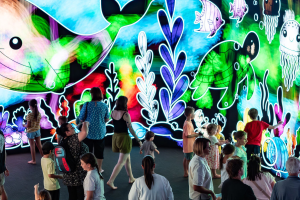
column 240, row 165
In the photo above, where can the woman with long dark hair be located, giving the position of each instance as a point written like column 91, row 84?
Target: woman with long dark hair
column 96, row 113
column 151, row 186
column 121, row 141
column 33, row 129
column 93, row 184
column 262, row 183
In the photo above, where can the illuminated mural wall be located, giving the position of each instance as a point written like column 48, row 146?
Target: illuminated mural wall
column 221, row 57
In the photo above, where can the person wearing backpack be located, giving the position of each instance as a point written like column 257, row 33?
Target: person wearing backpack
column 74, row 148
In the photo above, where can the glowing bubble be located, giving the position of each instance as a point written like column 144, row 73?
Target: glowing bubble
column 236, row 66
column 261, row 25
column 255, row 2
column 192, row 74
column 244, row 87
column 256, row 17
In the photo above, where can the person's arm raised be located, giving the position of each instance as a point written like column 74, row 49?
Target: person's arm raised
column 84, row 131
column 276, row 126
column 127, row 118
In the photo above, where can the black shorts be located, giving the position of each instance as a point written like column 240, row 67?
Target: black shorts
column 96, row 147
column 252, row 149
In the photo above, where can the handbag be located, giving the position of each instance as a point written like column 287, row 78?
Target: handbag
column 260, row 189
column 79, row 126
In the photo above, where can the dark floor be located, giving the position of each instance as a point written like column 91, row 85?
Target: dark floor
column 19, row 185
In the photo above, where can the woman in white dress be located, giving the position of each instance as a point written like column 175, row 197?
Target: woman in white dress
column 151, row 186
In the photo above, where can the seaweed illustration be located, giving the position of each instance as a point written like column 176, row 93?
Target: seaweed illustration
column 177, row 84
column 64, row 106
column 273, row 114
column 113, row 90
column 145, row 84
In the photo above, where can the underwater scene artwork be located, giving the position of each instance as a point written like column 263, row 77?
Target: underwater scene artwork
column 220, row 57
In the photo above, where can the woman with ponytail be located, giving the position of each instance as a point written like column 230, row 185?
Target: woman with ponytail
column 33, row 129
column 93, row 184
column 151, row 186
column 259, row 181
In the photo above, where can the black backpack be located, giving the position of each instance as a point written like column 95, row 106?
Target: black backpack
column 64, row 159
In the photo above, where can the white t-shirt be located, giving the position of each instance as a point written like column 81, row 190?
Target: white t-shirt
column 92, row 182
column 160, row 190
column 200, row 175
column 265, row 183
column 224, row 174
column 213, row 139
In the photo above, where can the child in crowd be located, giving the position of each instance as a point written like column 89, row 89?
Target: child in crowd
column 48, row 166
column 33, row 129
column 254, row 131
column 227, row 153
column 148, row 145
column 42, row 195
column 240, row 150
column 93, row 184
column 188, row 137
column 213, row 157
column 220, row 137
column 262, row 183
column 61, row 120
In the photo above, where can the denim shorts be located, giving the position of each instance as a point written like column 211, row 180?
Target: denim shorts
column 34, row 134
column 189, row 156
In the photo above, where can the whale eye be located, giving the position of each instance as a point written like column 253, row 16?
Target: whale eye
column 284, row 33
column 217, row 18
column 298, row 38
column 15, row 43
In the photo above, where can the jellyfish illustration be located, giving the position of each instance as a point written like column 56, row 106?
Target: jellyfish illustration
column 271, row 14
column 289, row 48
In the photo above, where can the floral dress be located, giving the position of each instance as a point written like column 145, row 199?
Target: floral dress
column 243, row 156
column 76, row 177
column 213, row 157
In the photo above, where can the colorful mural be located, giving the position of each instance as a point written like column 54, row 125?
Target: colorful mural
column 163, row 55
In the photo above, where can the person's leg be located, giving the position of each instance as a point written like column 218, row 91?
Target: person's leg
column 128, row 169
column 89, row 143
column 249, row 151
column 72, row 192
column 3, row 193
column 32, row 151
column 185, row 167
column 99, row 151
column 117, row 169
column 80, row 192
column 256, row 150
column 39, row 145
column 54, row 194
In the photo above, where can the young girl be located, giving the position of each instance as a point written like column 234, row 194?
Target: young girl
column 240, row 150
column 33, row 129
column 259, row 181
column 93, row 184
column 213, row 157
column 148, row 145
column 42, row 195
column 227, row 152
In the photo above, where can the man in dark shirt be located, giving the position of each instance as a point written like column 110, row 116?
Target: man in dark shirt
column 233, row 188
column 290, row 187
